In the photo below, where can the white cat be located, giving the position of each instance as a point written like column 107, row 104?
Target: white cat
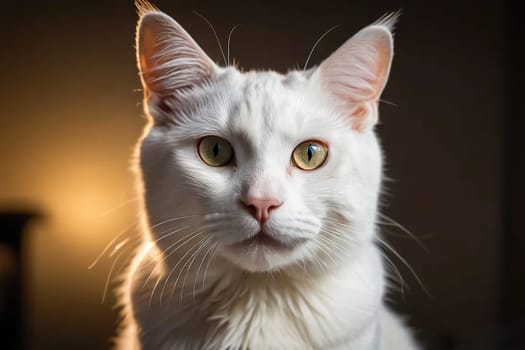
column 260, row 198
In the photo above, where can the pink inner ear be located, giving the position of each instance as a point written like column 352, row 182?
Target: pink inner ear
column 169, row 58
column 358, row 116
column 147, row 46
column 357, row 72
column 383, row 58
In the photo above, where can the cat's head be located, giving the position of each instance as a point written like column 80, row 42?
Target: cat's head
column 270, row 170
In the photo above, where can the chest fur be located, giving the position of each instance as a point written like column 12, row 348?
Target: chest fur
column 255, row 313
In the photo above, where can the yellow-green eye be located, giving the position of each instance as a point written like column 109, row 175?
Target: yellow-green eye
column 310, row 155
column 215, row 151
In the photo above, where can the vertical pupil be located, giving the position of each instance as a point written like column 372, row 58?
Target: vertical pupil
column 216, row 150
column 310, row 152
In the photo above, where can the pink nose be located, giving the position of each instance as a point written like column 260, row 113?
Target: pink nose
column 261, row 208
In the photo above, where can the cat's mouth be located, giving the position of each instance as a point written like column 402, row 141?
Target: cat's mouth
column 265, row 249
column 263, row 239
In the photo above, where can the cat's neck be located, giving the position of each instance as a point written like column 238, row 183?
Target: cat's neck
column 331, row 303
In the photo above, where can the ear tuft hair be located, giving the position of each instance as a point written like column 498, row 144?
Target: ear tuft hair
column 144, row 7
column 389, row 21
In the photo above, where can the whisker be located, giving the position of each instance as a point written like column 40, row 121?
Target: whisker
column 342, row 236
column 398, row 273
column 229, row 38
column 335, row 257
column 176, row 265
column 338, row 222
column 166, row 234
column 214, row 33
column 167, row 253
column 404, row 229
column 173, row 219
column 208, row 251
column 118, row 246
column 322, row 247
column 393, row 251
column 213, row 257
column 191, row 260
column 317, row 43
column 388, row 102
column 117, row 207
column 334, row 244
column 337, row 234
column 164, row 259
column 108, row 278
column 321, row 266
column 120, row 234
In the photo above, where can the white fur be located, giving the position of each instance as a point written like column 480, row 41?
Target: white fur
column 188, row 288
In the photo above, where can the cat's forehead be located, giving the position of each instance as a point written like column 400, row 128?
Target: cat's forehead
column 267, row 104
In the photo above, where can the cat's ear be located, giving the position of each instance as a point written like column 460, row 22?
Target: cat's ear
column 169, row 61
column 357, row 72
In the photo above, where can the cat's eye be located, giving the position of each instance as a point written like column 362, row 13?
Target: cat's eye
column 215, row 151
column 310, row 155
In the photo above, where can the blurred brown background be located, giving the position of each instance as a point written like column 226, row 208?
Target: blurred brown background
column 70, row 115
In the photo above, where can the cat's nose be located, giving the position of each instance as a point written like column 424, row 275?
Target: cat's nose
column 261, row 208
